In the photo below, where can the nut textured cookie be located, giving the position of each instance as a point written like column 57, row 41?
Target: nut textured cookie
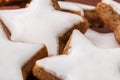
column 109, row 12
column 83, row 61
column 87, row 11
column 42, row 22
column 17, row 59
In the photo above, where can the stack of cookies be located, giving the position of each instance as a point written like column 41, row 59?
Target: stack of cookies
column 54, row 40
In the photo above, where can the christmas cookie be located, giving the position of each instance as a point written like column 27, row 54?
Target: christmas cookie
column 42, row 22
column 17, row 59
column 83, row 61
column 87, row 11
column 109, row 12
column 102, row 40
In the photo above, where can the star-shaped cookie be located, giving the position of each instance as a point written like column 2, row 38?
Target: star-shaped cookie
column 109, row 12
column 83, row 61
column 77, row 7
column 15, row 58
column 87, row 11
column 102, row 40
column 40, row 22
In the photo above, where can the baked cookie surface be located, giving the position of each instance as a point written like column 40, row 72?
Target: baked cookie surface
column 109, row 12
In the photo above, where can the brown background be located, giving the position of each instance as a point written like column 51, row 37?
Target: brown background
column 18, row 2
column 90, row 2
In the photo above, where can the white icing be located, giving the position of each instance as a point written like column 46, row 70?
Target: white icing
column 115, row 5
column 13, row 56
column 102, row 40
column 75, row 6
column 84, row 61
column 39, row 23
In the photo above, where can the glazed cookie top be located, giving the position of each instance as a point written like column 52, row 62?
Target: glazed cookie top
column 13, row 56
column 39, row 23
column 75, row 6
column 102, row 40
column 84, row 61
column 115, row 5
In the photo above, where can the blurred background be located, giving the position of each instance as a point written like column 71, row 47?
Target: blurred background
column 90, row 2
